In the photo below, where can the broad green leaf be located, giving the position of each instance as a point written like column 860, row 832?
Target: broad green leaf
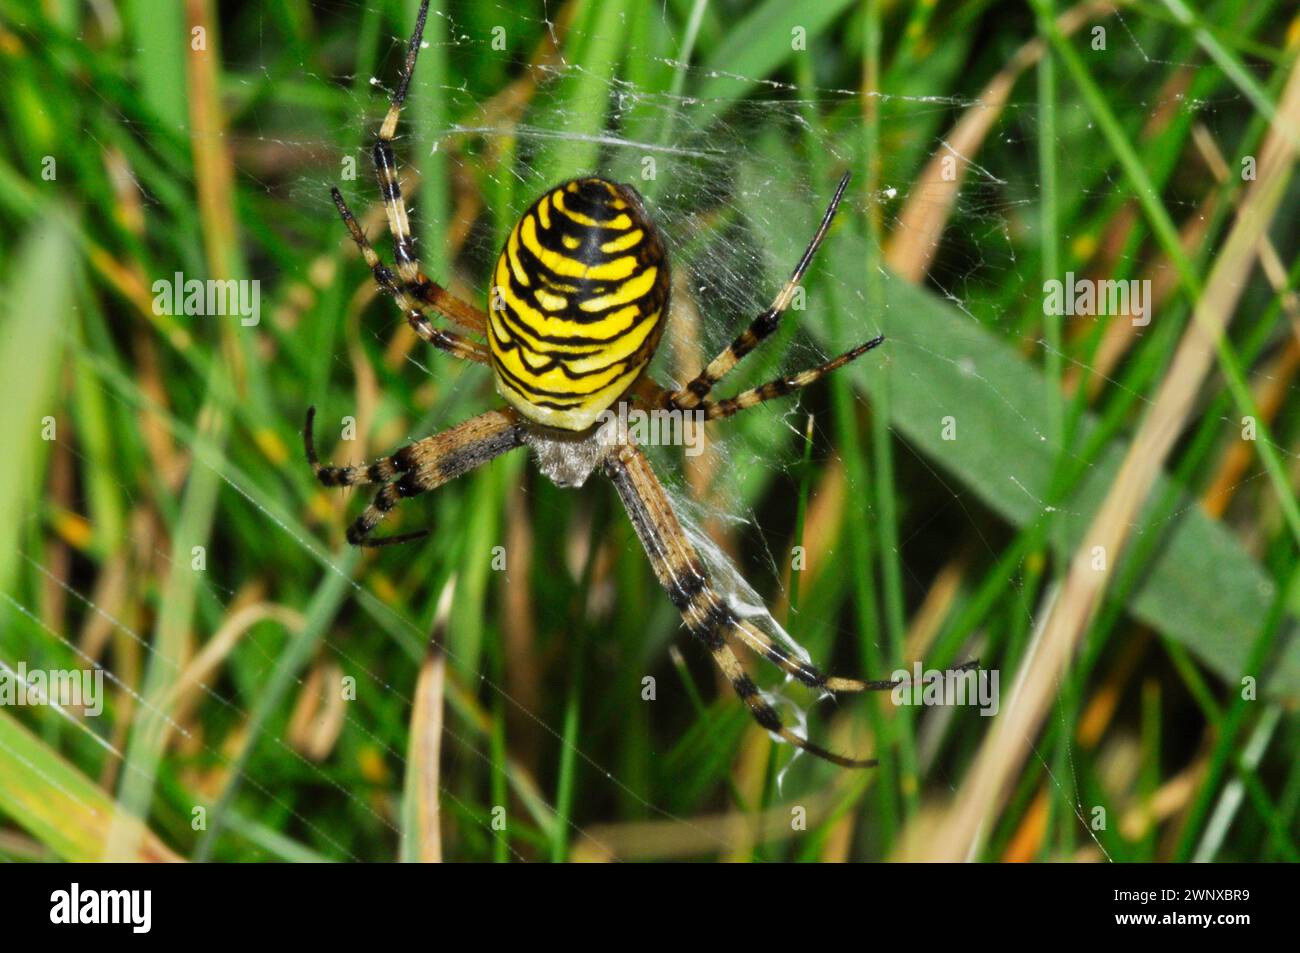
column 1201, row 588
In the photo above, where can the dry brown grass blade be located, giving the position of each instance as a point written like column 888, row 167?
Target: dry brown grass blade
column 823, row 526
column 1168, row 800
column 1269, row 259
column 1007, row 745
column 1273, row 381
column 319, row 713
column 914, row 241
column 1271, row 385
column 1096, row 718
column 421, row 807
column 522, row 664
column 1270, row 390
column 187, row 690
column 1119, row 336
column 909, row 253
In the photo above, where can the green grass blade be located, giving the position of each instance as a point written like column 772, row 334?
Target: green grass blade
column 56, row 803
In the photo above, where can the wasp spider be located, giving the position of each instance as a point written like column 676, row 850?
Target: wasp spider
column 579, row 301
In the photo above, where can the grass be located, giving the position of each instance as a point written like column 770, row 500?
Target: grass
column 517, row 687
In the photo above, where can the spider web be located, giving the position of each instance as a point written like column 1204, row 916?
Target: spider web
column 736, row 193
column 701, row 171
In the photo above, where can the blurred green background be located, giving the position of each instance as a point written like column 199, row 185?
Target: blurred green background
column 270, row 693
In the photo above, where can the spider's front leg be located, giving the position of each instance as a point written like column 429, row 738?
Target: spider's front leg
column 414, row 292
column 453, row 344
column 413, row 281
column 696, row 394
column 716, row 408
column 417, row 467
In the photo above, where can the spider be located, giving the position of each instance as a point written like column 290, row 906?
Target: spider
column 580, row 293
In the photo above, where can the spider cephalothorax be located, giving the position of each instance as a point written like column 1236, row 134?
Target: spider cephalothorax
column 577, row 305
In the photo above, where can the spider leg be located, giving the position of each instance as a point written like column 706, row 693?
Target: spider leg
column 381, row 471
column 410, row 287
column 390, row 188
column 715, row 409
column 761, row 643
column 408, row 268
column 709, row 619
column 454, row 344
column 417, row 467
column 446, row 303
column 649, row 391
column 694, row 393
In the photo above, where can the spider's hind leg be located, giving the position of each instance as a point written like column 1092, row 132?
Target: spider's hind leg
column 763, row 712
column 762, row 644
column 709, row 619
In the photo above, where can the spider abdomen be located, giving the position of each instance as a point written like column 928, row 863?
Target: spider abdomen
column 577, row 303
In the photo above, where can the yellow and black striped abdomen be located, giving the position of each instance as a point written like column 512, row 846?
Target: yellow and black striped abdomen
column 577, row 302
